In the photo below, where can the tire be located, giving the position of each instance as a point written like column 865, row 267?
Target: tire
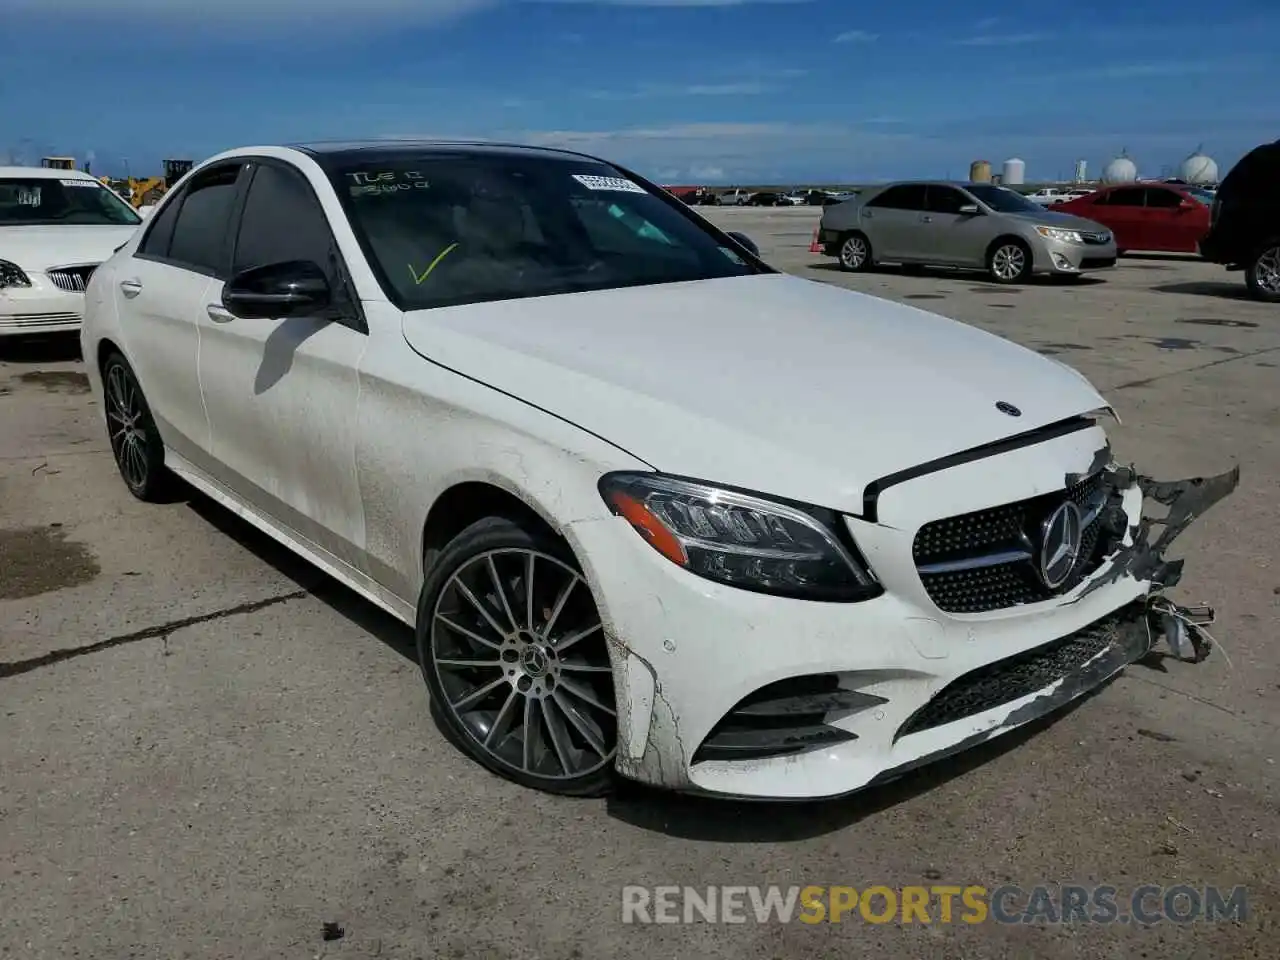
column 1009, row 261
column 1121, row 253
column 502, row 666
column 1262, row 275
column 855, row 253
column 131, row 430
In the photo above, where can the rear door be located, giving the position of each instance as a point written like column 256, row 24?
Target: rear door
column 160, row 294
column 1165, row 221
column 891, row 221
column 1124, row 211
column 282, row 394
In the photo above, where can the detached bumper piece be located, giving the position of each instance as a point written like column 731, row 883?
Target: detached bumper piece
column 786, row 717
column 1186, row 500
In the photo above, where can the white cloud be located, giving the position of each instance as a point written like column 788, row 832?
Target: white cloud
column 307, row 13
column 300, row 11
column 738, row 151
column 1002, row 39
column 647, row 91
column 669, row 3
column 856, row 36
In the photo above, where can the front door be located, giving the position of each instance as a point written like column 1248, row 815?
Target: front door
column 950, row 237
column 282, row 394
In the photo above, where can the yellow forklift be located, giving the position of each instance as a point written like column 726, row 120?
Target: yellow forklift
column 149, row 191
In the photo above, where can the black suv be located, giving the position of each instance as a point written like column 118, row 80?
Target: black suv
column 1244, row 231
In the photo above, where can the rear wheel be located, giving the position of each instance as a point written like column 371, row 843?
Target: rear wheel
column 135, row 441
column 1009, row 261
column 1262, row 275
column 855, row 253
column 513, row 651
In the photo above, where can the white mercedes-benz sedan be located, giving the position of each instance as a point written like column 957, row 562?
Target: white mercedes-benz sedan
column 652, row 507
column 56, row 226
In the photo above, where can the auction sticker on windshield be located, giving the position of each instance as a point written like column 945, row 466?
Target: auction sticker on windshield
column 608, row 183
column 79, row 183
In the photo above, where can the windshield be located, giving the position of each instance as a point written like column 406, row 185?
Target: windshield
column 448, row 230
column 1204, row 196
column 1004, row 200
column 35, row 201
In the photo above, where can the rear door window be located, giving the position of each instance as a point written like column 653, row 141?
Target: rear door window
column 201, row 230
column 905, row 196
column 1126, row 197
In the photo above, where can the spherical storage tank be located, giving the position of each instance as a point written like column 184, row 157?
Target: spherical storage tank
column 1015, row 172
column 980, row 172
column 1120, row 170
column 1198, row 168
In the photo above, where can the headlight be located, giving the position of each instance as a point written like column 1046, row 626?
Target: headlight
column 12, row 275
column 742, row 540
column 1063, row 236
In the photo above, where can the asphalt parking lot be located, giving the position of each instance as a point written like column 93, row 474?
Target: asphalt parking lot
column 208, row 749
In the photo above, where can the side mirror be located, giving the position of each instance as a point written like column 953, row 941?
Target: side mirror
column 969, row 210
column 295, row 288
column 746, row 241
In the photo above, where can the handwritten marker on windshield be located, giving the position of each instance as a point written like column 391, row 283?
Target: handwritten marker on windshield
column 419, row 280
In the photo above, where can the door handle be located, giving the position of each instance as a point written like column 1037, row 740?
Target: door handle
column 926, row 219
column 866, row 214
column 219, row 314
column 130, row 288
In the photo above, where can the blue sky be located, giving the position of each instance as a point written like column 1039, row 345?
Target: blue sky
column 685, row 91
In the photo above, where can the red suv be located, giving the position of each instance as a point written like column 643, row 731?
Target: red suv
column 1147, row 216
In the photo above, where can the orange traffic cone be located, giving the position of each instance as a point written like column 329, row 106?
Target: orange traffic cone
column 815, row 246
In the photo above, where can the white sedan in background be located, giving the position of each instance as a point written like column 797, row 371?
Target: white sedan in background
column 651, row 506
column 56, row 226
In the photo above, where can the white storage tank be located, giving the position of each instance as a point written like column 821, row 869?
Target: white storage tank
column 1199, row 168
column 1082, row 171
column 1120, row 170
column 1014, row 172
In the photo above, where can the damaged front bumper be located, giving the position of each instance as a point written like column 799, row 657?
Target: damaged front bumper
column 873, row 689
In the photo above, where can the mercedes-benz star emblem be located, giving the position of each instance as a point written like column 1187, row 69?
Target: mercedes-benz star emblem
column 1008, row 408
column 1060, row 545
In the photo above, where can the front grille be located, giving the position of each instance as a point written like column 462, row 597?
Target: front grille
column 988, row 560
column 1123, row 634
column 73, row 279
column 1096, row 238
column 23, row 320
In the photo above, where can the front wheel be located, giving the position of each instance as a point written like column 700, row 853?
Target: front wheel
column 513, row 652
column 131, row 430
column 1262, row 275
column 1009, row 261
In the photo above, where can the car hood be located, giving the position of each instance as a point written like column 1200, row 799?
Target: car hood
column 785, row 386
column 1064, row 221
column 58, row 245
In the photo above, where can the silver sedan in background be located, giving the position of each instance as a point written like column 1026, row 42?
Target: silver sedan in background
column 967, row 225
